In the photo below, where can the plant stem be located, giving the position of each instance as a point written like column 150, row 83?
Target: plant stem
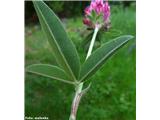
column 76, row 101
column 79, row 93
column 92, row 42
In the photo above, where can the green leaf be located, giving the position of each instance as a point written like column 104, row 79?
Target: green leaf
column 63, row 48
column 98, row 58
column 49, row 71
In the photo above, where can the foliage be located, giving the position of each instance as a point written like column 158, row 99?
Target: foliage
column 65, row 52
column 97, row 110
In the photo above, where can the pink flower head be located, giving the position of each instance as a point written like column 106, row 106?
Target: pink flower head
column 100, row 8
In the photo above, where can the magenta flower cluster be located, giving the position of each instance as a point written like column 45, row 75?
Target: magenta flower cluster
column 100, row 8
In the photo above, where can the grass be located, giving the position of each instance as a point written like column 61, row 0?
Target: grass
column 113, row 91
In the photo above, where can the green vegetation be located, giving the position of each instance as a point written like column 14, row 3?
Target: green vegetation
column 112, row 93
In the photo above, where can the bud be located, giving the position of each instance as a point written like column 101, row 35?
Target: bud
column 87, row 21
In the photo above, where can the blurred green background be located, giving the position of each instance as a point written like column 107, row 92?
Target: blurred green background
column 112, row 95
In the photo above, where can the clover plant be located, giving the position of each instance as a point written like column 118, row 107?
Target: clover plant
column 69, row 69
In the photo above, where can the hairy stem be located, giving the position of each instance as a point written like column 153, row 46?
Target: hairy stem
column 79, row 92
column 76, row 101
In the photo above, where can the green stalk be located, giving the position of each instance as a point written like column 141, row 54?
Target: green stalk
column 92, row 42
column 79, row 92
